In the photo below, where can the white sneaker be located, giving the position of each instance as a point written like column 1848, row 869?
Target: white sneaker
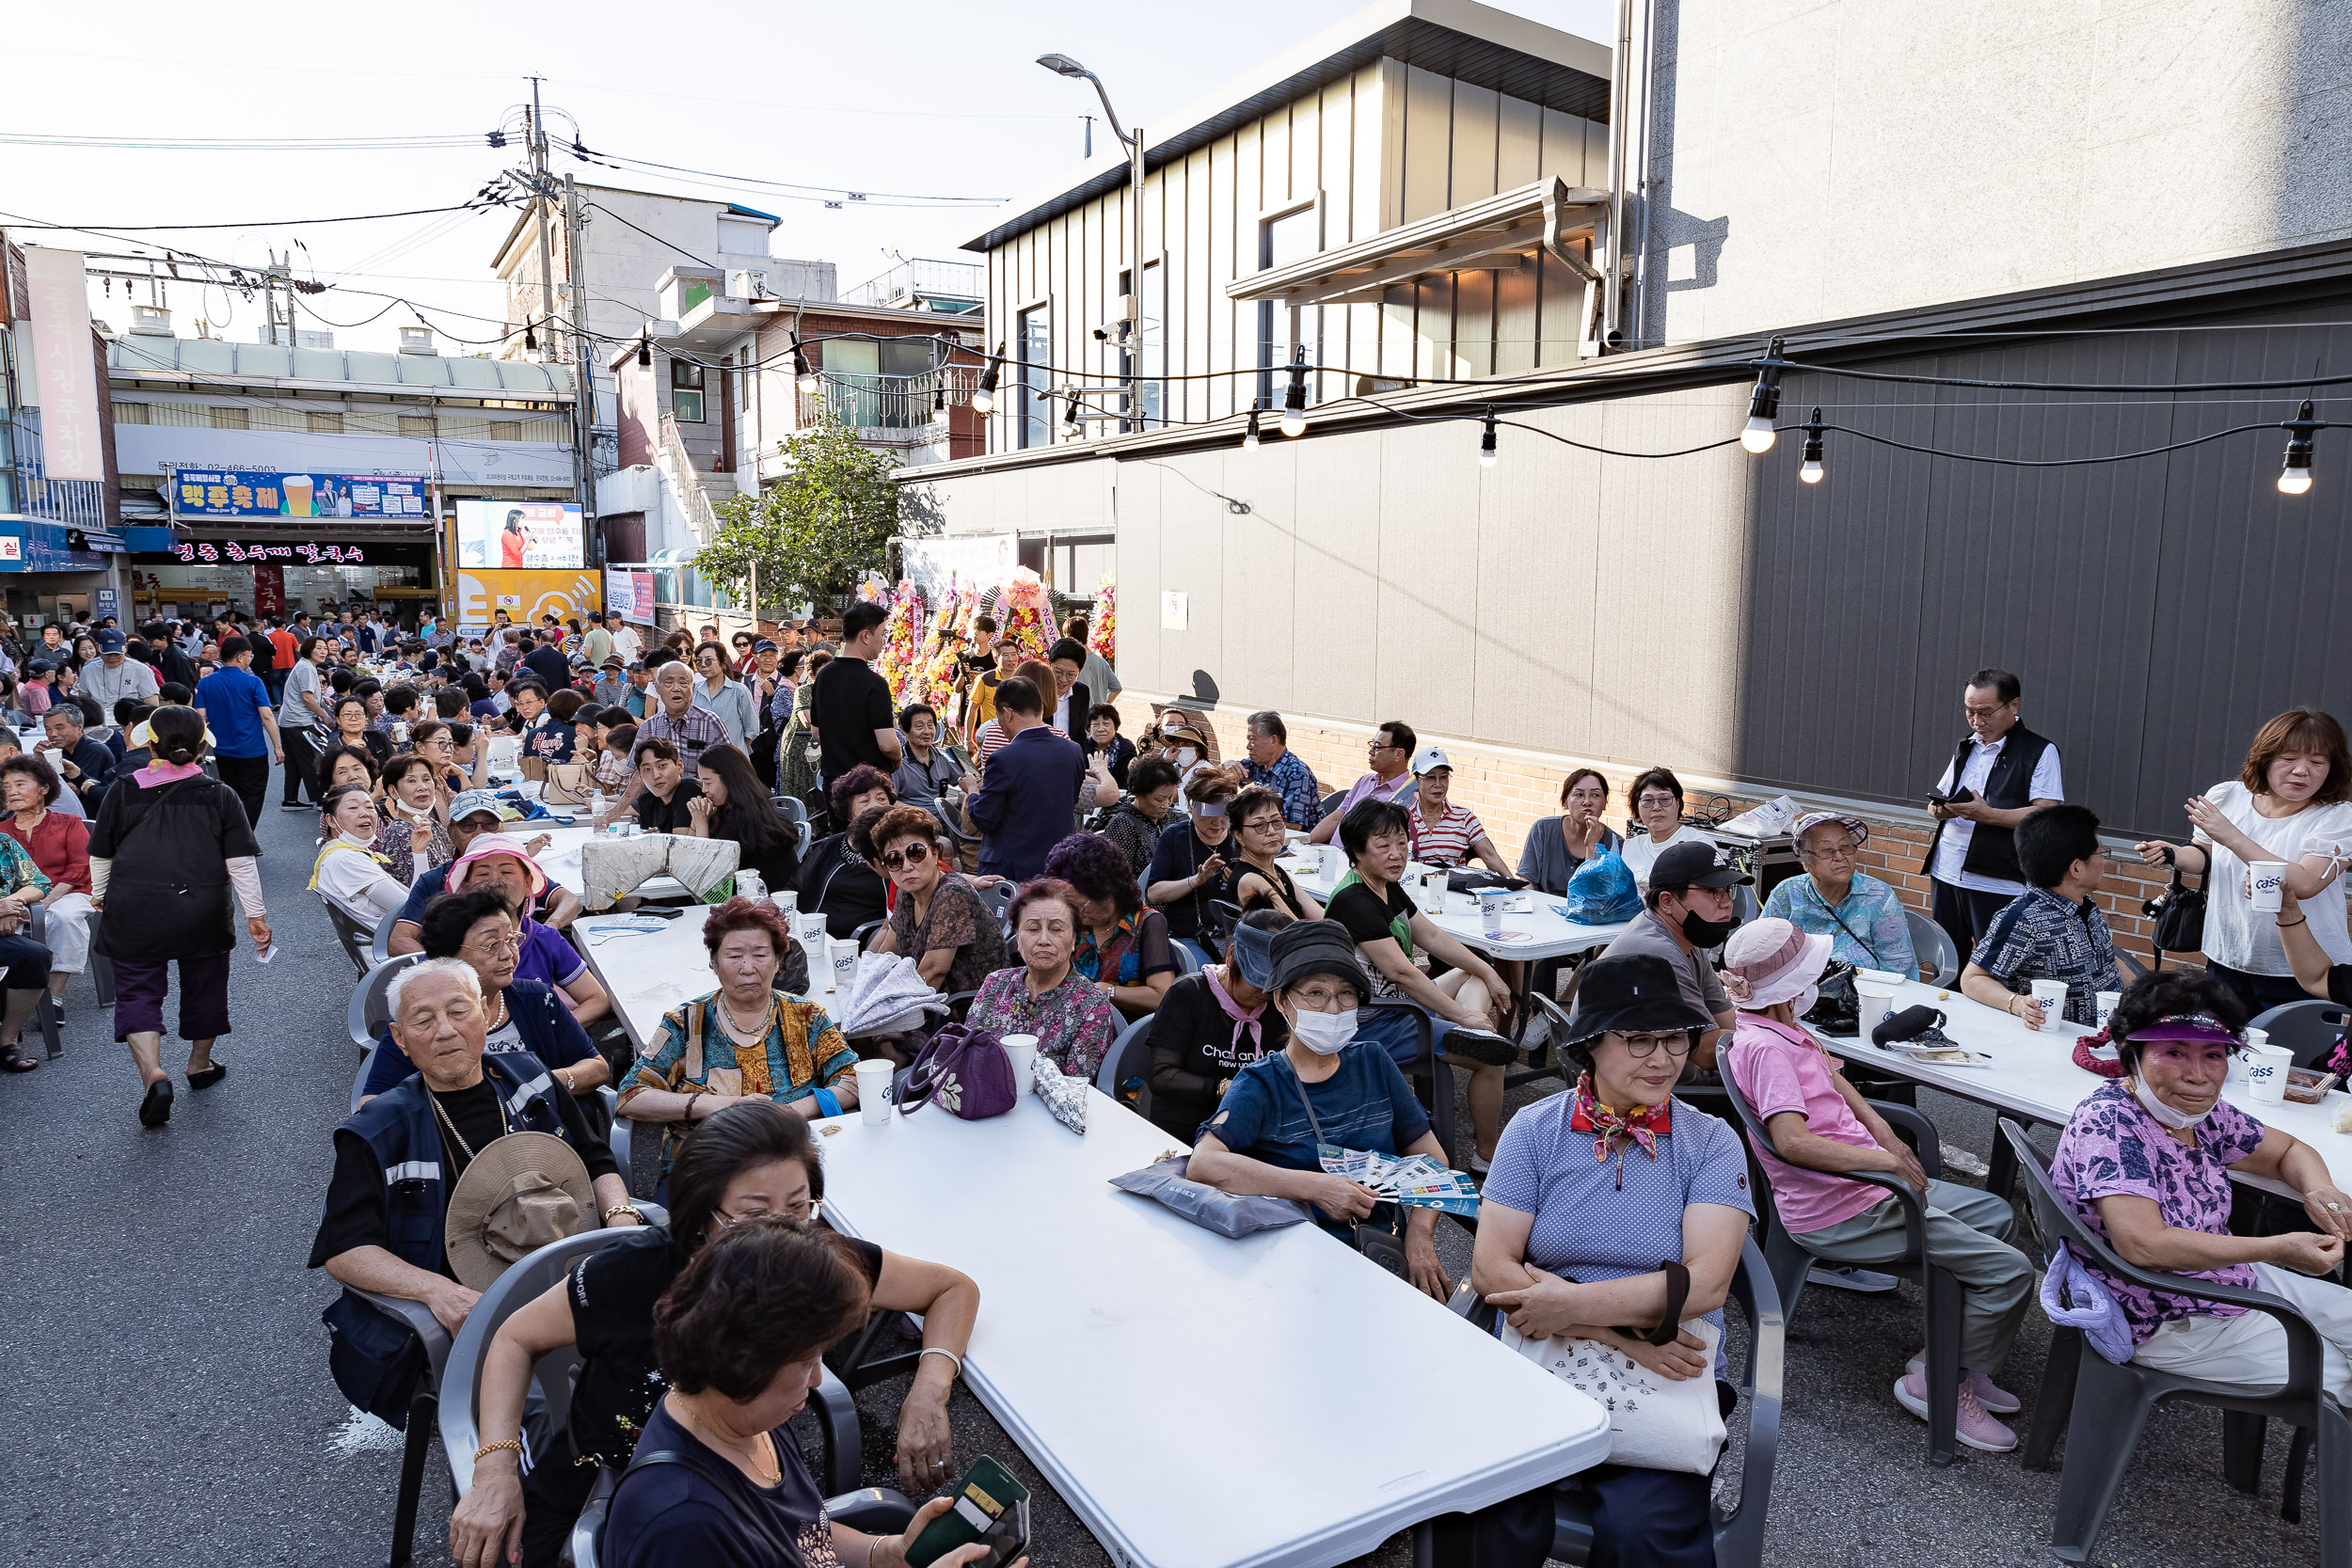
column 1477, row 1166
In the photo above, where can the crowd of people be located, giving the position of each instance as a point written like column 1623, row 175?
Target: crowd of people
column 1052, row 877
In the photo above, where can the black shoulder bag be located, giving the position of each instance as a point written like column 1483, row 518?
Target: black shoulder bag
column 2176, row 915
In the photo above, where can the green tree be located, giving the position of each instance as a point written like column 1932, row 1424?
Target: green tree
column 814, row 532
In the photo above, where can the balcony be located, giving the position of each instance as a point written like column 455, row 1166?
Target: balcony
column 899, row 412
column 945, row 288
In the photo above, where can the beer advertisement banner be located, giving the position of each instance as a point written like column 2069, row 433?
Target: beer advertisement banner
column 524, row 595
column 216, row 494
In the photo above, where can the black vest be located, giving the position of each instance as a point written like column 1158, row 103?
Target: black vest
column 1993, row 852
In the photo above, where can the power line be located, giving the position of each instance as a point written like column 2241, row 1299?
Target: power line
column 119, row 228
column 1771, row 363
column 244, row 144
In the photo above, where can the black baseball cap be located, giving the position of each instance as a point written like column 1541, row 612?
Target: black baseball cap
column 1695, row 865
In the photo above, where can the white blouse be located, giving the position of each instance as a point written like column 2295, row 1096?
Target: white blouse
column 1641, row 850
column 2238, row 937
column 358, row 884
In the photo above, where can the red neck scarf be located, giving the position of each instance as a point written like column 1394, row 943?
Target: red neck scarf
column 1612, row 1132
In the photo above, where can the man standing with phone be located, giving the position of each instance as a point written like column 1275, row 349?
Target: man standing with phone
column 1999, row 772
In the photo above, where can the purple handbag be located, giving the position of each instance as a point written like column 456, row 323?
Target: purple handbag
column 963, row 1069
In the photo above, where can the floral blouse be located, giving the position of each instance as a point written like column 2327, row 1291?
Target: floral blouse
column 805, row 1053
column 17, row 870
column 1074, row 1022
column 2113, row 1148
column 399, row 850
column 959, row 919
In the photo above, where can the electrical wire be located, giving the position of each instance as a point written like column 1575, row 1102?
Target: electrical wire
column 244, row 143
column 2049, row 462
column 793, row 185
column 1783, row 364
column 255, row 223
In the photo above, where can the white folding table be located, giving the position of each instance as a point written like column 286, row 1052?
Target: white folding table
column 2033, row 1074
column 1539, row 932
column 1276, row 1402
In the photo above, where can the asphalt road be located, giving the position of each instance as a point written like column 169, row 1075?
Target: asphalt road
column 164, row 1401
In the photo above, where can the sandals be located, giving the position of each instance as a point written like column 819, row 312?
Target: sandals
column 13, row 1059
column 155, row 1109
column 210, row 1076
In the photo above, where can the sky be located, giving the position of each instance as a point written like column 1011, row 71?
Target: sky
column 945, row 101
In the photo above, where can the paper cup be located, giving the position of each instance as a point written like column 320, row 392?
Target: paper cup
column 2267, row 878
column 2266, row 1071
column 844, row 963
column 1875, row 1000
column 2103, row 1005
column 789, row 902
column 1491, row 903
column 873, row 1089
column 1022, row 1049
column 2052, row 995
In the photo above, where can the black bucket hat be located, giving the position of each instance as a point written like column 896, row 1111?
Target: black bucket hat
column 1631, row 993
column 1306, row 947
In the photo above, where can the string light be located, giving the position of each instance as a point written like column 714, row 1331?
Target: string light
column 645, row 351
column 1487, row 443
column 939, row 400
column 1810, row 470
column 2296, row 477
column 1763, row 407
column 530, row 339
column 1294, row 396
column 1250, row 436
column 806, row 379
column 984, row 400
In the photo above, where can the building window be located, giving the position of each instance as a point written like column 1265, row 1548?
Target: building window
column 1033, row 416
column 130, row 413
column 420, row 426
column 1283, row 328
column 231, row 419
column 1153, row 368
column 324, row 424
column 506, row 430
column 686, row 392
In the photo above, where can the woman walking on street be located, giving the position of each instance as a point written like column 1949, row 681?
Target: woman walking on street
column 189, row 844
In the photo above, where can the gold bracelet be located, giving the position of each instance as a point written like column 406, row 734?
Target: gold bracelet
column 488, row 1449
column 625, row 1209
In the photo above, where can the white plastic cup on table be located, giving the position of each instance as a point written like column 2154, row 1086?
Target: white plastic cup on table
column 873, row 1089
column 2266, row 1071
column 1022, row 1049
column 1874, row 1000
column 844, row 963
column 2268, row 879
column 789, row 902
column 1491, row 903
column 2102, row 1006
column 2052, row 995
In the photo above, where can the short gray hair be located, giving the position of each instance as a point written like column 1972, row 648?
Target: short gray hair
column 456, row 969
column 1270, row 723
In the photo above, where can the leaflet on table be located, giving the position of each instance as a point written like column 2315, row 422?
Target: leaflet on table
column 1414, row 1180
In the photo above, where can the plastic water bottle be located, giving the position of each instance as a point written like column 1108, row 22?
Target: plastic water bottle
column 747, row 885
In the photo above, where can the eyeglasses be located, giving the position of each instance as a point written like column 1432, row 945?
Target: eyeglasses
column 1676, row 1043
column 800, row 1210
column 1381, row 746
column 1828, row 852
column 1658, row 802
column 1319, row 999
column 915, row 854
column 1263, row 824
column 1977, row 712
column 510, row 943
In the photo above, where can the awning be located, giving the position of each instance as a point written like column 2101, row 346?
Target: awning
column 1498, row 234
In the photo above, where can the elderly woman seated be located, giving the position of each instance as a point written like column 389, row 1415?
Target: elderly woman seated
column 478, row 929
column 1136, row 823
column 1212, row 1024
column 2145, row 1160
column 742, row 1041
column 496, row 861
column 388, row 1235
column 1860, row 914
column 839, row 879
column 741, row 1339
column 745, row 1164
column 1590, row 1189
column 940, row 919
column 1122, row 946
column 1822, row 1128
column 1324, row 1086
column 1196, row 864
column 349, row 873
column 1071, row 1015
column 59, row 845
column 1558, row 847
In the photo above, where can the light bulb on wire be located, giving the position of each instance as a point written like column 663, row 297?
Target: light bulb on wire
column 984, row 400
column 645, row 351
column 1250, row 436
column 1294, row 396
column 803, row 377
column 1810, row 472
column 2295, row 478
column 1758, row 433
column 1487, row 443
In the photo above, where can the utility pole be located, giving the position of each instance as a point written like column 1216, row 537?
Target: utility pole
column 584, row 370
column 280, row 273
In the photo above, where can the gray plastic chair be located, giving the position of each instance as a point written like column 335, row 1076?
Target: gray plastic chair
column 360, row 1080
column 2116, row 1399
column 1932, row 945
column 379, row 946
column 1430, row 1064
column 1190, row 958
column 1130, row 1056
column 2312, row 1029
column 356, row 937
column 998, row 897
column 45, row 1011
column 1789, row 1262
column 367, row 1011
column 422, row 1405
column 1739, row 1533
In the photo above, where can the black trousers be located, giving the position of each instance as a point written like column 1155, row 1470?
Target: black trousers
column 249, row 778
column 1965, row 913
column 302, row 755
column 554, row 1492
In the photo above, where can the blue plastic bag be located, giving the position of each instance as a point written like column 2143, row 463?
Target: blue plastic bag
column 1602, row 891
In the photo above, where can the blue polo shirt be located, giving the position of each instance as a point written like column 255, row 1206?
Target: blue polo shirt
column 233, row 701
column 1587, row 1225
column 1366, row 1104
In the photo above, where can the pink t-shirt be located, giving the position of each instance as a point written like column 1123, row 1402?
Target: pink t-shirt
column 1782, row 1069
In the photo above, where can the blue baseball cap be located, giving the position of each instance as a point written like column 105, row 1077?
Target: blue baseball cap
column 111, row 641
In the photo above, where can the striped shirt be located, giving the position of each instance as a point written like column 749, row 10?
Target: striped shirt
column 1447, row 842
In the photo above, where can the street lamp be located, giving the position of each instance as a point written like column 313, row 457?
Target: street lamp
column 1132, row 351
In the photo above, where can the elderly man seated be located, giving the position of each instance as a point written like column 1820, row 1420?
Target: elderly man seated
column 1271, row 763
column 1390, row 752
column 2052, row 930
column 1446, row 834
column 84, row 764
column 1860, row 914
column 1687, row 912
column 401, row 1154
column 1822, row 1128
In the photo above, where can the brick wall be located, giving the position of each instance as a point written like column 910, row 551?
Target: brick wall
column 1512, row 790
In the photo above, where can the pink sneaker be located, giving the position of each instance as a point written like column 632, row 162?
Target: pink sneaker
column 1993, row 1397
column 1974, row 1426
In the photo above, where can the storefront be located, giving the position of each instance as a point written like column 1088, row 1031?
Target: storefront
column 51, row 570
column 271, row 544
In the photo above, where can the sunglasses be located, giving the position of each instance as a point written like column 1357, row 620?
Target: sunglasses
column 915, row 854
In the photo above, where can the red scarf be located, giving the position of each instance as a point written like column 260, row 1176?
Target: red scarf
column 1612, row 1132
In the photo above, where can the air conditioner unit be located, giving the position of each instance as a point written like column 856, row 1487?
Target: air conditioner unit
column 417, row 339
column 150, row 321
column 746, row 283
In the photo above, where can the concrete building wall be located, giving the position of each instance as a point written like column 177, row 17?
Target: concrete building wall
column 1818, row 159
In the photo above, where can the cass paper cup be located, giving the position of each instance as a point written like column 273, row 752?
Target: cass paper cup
column 2266, row 1071
column 873, row 1089
column 2267, row 878
column 1022, row 1049
column 2052, row 995
column 2103, row 1006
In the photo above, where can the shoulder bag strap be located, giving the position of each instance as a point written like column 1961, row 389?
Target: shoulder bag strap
column 1306, row 1105
column 728, row 1486
column 1678, row 1295
column 1815, row 893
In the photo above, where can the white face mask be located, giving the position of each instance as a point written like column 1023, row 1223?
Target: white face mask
column 2166, row 1115
column 1186, row 756
column 1325, row 1033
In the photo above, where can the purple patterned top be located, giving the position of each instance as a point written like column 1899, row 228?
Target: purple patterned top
column 2112, row 1147
column 1073, row 1022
